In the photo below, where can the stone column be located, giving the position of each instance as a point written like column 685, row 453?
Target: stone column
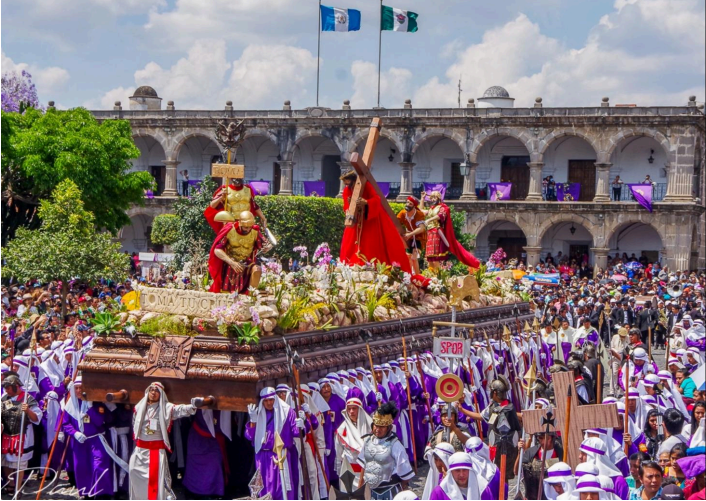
column 680, row 172
column 602, row 182
column 406, row 179
column 286, row 178
column 469, row 184
column 533, row 254
column 170, row 179
column 535, row 184
column 600, row 255
column 345, row 167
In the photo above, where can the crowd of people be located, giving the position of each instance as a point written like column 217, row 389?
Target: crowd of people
column 374, row 427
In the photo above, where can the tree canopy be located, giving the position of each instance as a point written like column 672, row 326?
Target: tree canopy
column 66, row 246
column 40, row 150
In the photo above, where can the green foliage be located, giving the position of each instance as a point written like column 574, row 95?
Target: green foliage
column 106, row 323
column 163, row 325
column 40, row 150
column 245, row 333
column 459, row 221
column 372, row 301
column 306, row 221
column 165, row 229
column 194, row 236
column 66, row 246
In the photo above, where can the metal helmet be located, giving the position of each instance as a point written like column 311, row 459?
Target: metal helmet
column 246, row 217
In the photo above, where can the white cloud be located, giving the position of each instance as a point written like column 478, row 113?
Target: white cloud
column 262, row 75
column 626, row 57
column 395, row 85
column 47, row 79
column 270, row 73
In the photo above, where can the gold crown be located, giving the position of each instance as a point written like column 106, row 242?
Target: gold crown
column 382, row 419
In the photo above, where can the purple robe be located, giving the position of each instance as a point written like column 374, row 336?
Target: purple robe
column 264, row 460
column 492, row 491
column 620, row 487
column 332, row 419
column 439, row 493
column 204, row 473
column 91, row 463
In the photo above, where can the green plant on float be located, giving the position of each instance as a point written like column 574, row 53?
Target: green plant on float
column 165, row 325
column 105, row 323
column 245, row 333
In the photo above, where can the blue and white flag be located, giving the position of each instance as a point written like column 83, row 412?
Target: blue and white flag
column 337, row 19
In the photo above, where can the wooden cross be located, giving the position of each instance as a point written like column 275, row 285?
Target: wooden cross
column 355, row 215
column 583, row 417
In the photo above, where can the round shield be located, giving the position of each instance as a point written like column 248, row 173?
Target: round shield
column 449, row 388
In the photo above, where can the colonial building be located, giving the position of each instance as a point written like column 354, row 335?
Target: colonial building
column 488, row 141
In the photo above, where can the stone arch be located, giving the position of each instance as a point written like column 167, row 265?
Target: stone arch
column 182, row 137
column 500, row 230
column 486, row 135
column 435, row 132
column 618, row 138
column 477, row 225
column 556, row 134
column 303, row 134
column 135, row 232
column 613, row 229
column 362, row 134
column 257, row 131
column 567, row 217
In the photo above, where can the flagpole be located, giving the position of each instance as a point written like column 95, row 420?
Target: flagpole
column 318, row 54
column 379, row 50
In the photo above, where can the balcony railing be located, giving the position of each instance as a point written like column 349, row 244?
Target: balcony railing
column 659, row 190
column 324, row 113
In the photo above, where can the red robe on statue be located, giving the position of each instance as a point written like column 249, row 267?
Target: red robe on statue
column 225, row 279
column 379, row 239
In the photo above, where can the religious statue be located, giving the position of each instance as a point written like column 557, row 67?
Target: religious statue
column 412, row 218
column 374, row 237
column 232, row 262
column 441, row 238
column 232, row 199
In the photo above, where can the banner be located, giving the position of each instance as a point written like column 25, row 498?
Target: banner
column 543, row 278
column 314, row 188
column 385, row 188
column 499, row 191
column 440, row 187
column 568, row 192
column 260, row 187
column 643, row 194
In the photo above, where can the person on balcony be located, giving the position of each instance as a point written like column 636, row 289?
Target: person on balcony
column 617, row 188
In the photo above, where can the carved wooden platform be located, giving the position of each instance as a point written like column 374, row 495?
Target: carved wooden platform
column 234, row 374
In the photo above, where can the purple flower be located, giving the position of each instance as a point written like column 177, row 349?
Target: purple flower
column 18, row 92
column 255, row 316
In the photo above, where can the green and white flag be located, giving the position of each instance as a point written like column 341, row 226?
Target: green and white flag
column 398, row 20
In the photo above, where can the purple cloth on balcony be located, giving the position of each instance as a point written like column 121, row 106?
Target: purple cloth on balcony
column 193, row 182
column 149, row 194
column 568, row 192
column 499, row 191
column 440, row 187
column 260, row 187
column 384, row 188
column 314, row 188
column 643, row 194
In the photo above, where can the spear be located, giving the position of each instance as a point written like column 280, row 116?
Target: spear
column 281, row 456
column 466, row 335
column 409, row 404
column 626, row 429
column 424, row 384
column 32, row 353
column 366, row 335
column 302, row 457
column 549, row 421
column 567, row 425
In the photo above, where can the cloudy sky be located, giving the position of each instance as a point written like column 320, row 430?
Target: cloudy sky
column 257, row 53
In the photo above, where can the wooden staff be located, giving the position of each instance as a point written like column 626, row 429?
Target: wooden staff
column 32, row 354
column 409, row 406
column 599, row 383
column 317, row 456
column 302, row 457
column 426, row 398
column 649, row 343
column 567, row 426
column 372, row 371
column 503, row 471
column 626, row 428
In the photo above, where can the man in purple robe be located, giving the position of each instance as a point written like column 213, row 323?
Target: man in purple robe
column 207, row 468
column 86, row 423
column 332, row 419
column 274, row 417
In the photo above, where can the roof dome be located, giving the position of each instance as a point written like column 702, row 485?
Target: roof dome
column 145, row 91
column 496, row 91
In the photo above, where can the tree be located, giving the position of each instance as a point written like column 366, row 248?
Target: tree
column 65, row 247
column 18, row 92
column 46, row 148
column 165, row 229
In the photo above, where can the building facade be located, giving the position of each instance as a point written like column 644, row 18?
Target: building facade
column 494, row 142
